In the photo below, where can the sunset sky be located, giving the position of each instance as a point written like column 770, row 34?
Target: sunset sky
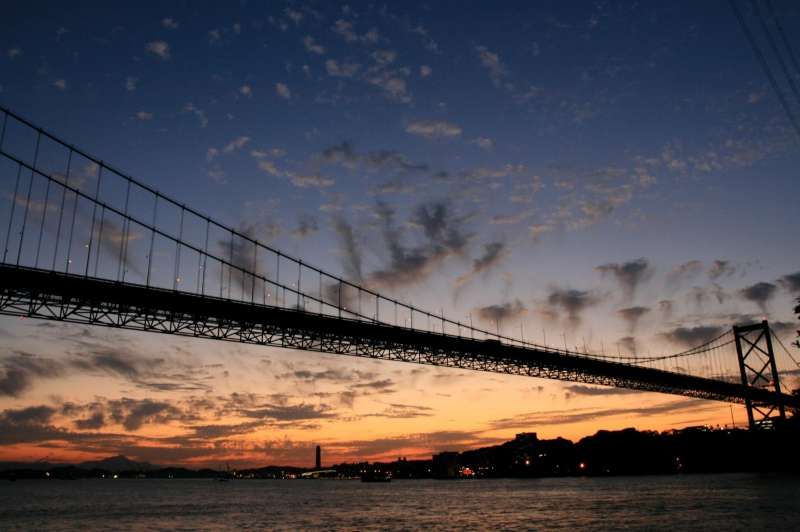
column 618, row 175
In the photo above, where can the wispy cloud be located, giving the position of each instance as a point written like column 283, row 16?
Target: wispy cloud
column 433, row 129
column 629, row 275
column 159, row 49
column 341, row 69
column 493, row 64
column 169, row 23
column 312, row 46
column 282, row 90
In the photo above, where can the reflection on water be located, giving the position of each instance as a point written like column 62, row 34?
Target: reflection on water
column 729, row 502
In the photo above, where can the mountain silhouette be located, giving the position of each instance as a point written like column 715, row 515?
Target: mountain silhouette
column 117, row 463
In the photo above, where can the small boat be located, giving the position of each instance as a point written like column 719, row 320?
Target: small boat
column 376, row 476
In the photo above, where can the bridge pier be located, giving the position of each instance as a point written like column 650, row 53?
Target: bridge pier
column 759, row 371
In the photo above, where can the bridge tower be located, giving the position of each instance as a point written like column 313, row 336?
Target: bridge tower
column 758, row 370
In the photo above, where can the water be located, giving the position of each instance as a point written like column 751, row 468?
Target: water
column 729, row 502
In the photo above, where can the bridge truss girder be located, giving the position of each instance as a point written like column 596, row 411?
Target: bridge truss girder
column 77, row 299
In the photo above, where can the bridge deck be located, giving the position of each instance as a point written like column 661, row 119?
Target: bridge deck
column 78, row 299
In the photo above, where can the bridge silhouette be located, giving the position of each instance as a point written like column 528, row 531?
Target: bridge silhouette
column 86, row 243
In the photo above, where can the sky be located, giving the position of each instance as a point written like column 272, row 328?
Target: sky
column 615, row 175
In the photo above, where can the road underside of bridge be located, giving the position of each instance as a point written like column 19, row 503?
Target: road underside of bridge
column 34, row 293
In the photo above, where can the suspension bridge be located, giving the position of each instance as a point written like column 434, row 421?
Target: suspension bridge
column 87, row 243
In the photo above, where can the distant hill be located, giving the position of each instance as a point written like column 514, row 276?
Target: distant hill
column 33, row 466
column 117, row 463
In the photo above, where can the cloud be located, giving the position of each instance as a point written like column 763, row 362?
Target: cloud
column 236, row 144
column 380, row 160
column 294, row 15
column 384, row 57
column 628, row 345
column 306, row 226
column 350, row 250
column 684, row 272
column 19, row 371
column 402, row 411
column 524, row 193
column 495, row 314
column 300, row 412
column 31, row 415
column 104, row 355
column 270, row 168
column 14, row 52
column 759, row 293
column 790, row 282
column 596, row 391
column 484, row 143
column 425, row 37
column 392, row 84
column 783, row 329
column 194, row 412
column 159, row 49
column 113, row 238
column 130, row 84
column 563, row 417
column 572, row 302
column 720, row 269
column 394, row 186
column 382, row 385
column 312, row 46
column 134, row 413
column 95, row 421
column 344, row 29
column 169, row 23
column 411, row 264
column 537, row 230
column 34, row 425
column 199, row 113
column 632, row 315
column 689, row 337
column 427, row 443
column 629, row 275
column 154, row 374
column 336, row 375
column 433, row 129
column 282, row 90
column 30, row 425
column 311, row 181
column 494, row 252
column 492, row 63
column 239, row 252
column 261, row 154
column 510, row 219
column 300, row 180
column 700, row 295
column 665, row 306
column 341, row 70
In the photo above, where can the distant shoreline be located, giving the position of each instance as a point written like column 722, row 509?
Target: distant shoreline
column 628, row 452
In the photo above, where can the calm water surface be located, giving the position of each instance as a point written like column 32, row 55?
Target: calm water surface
column 713, row 502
